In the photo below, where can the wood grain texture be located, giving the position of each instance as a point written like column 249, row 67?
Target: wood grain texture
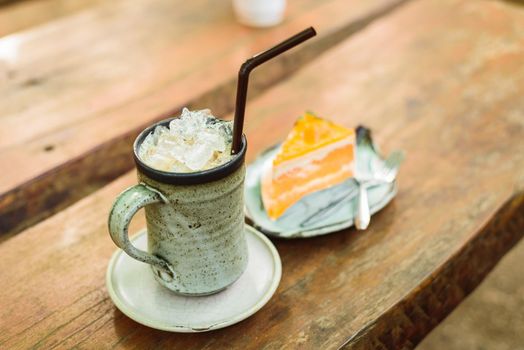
column 423, row 80
column 16, row 16
column 79, row 89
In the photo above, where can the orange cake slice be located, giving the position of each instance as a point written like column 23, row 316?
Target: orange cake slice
column 317, row 154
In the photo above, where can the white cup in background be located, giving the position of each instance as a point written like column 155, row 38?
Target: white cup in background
column 259, row 13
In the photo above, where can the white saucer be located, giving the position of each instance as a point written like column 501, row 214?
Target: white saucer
column 135, row 292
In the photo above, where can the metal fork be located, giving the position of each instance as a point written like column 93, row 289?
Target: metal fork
column 386, row 173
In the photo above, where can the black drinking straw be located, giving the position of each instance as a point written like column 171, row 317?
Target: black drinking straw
column 243, row 77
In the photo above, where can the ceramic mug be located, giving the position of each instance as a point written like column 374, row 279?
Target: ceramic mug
column 195, row 223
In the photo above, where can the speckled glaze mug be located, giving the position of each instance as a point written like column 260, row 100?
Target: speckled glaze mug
column 195, row 223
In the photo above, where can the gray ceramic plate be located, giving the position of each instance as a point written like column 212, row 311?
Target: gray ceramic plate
column 135, row 292
column 321, row 212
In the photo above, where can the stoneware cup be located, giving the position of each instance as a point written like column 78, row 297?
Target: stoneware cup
column 195, row 223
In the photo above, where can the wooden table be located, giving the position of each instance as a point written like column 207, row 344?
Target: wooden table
column 80, row 88
column 440, row 79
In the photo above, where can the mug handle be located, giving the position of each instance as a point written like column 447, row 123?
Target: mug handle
column 125, row 207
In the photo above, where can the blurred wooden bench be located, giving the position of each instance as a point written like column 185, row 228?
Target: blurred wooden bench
column 76, row 91
column 440, row 79
column 18, row 15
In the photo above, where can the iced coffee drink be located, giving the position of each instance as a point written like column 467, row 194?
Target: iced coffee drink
column 193, row 142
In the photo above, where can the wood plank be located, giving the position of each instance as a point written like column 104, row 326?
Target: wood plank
column 459, row 209
column 22, row 15
column 75, row 101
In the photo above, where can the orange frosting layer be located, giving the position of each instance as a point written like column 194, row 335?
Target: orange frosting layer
column 308, row 134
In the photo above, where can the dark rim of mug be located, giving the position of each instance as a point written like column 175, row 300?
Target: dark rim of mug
column 197, row 177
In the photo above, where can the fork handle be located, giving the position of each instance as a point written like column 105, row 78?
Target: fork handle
column 362, row 218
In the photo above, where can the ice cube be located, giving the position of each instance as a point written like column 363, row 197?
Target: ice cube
column 161, row 162
column 194, row 141
column 213, row 140
column 198, row 155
